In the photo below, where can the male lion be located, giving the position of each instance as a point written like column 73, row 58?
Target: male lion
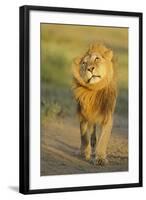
column 95, row 92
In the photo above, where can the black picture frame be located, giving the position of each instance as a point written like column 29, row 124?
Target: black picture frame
column 25, row 105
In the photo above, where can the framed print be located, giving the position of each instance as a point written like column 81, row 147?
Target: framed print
column 80, row 99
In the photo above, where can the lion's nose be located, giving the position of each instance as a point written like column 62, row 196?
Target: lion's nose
column 90, row 69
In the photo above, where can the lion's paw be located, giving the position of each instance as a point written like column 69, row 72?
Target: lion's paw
column 101, row 161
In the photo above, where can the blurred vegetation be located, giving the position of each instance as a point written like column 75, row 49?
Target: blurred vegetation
column 60, row 44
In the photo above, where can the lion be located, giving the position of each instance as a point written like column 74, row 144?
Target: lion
column 95, row 91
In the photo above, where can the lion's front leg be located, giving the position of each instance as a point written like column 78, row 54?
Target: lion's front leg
column 101, row 146
column 85, row 140
column 93, row 139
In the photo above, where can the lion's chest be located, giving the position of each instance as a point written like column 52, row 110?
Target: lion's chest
column 89, row 106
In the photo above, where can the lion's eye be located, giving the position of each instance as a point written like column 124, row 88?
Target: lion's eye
column 97, row 58
column 83, row 63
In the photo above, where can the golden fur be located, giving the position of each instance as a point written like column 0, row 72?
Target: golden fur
column 96, row 100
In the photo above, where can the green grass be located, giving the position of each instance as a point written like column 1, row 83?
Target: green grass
column 60, row 44
column 57, row 101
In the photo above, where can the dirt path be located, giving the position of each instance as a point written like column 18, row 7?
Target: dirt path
column 60, row 142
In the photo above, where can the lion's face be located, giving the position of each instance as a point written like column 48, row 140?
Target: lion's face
column 92, row 68
column 96, row 65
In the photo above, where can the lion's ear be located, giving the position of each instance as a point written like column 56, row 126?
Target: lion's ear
column 77, row 60
column 91, row 47
column 108, row 55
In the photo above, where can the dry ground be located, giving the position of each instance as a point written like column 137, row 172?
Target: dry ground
column 60, row 142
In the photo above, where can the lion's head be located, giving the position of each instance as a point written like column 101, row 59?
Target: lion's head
column 95, row 67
